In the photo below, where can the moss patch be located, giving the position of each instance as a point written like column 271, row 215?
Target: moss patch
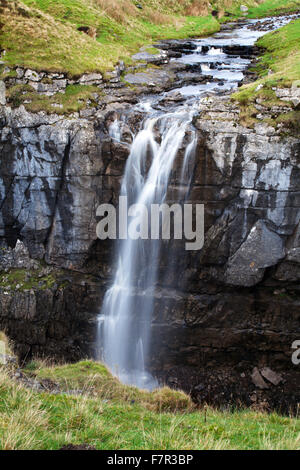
column 22, row 279
column 75, row 98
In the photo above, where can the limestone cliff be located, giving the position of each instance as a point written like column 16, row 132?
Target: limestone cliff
column 238, row 296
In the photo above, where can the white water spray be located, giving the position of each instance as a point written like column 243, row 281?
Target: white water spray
column 125, row 321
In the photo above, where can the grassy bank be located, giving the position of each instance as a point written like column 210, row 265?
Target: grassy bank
column 43, row 34
column 108, row 415
column 279, row 66
column 273, row 7
column 257, row 9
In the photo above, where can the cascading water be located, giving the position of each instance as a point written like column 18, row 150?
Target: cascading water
column 115, row 130
column 125, row 320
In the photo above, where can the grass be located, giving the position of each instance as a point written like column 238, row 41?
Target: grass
column 273, row 7
column 111, row 416
column 279, row 66
column 7, row 346
column 75, row 98
column 282, row 53
column 256, row 9
column 43, row 34
column 36, row 40
column 97, row 381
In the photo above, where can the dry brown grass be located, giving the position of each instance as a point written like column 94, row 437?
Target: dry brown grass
column 227, row 3
column 198, row 8
column 119, row 10
column 123, row 11
column 158, row 17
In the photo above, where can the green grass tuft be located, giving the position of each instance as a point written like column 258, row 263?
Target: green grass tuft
column 112, row 419
column 75, row 98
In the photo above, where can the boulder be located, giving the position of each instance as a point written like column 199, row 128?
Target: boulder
column 90, row 79
column 261, row 249
column 33, row 76
column 157, row 59
column 49, row 89
column 258, row 380
column 271, row 376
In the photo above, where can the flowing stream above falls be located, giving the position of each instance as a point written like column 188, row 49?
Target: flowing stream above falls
column 124, row 324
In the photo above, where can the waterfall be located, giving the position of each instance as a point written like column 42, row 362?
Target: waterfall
column 115, row 130
column 124, row 324
column 125, row 321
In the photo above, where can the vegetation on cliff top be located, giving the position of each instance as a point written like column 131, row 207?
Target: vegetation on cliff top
column 279, row 66
column 96, row 410
column 43, row 34
column 73, row 100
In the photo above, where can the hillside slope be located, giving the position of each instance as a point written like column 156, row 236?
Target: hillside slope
column 44, row 35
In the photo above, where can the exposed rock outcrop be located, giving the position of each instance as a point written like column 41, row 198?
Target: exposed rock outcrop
column 236, row 301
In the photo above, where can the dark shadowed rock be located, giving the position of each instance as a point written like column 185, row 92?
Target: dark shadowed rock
column 261, row 249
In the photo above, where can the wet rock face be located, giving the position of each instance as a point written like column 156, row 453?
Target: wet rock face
column 241, row 300
column 236, row 299
column 54, row 174
column 259, row 221
column 57, row 322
